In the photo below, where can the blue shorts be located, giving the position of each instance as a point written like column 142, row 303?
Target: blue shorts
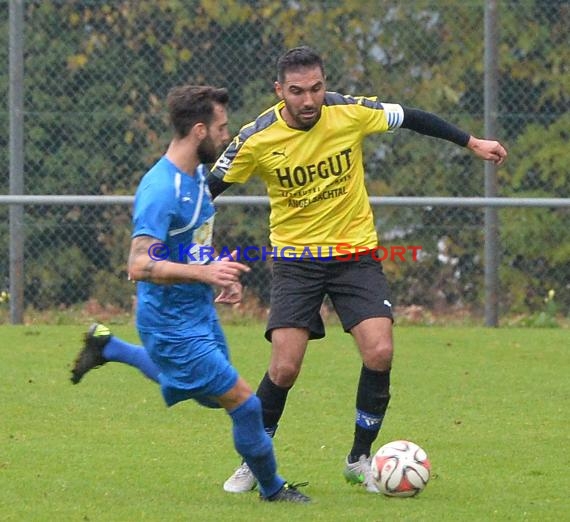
column 194, row 363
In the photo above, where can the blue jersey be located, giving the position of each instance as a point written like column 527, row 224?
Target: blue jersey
column 176, row 209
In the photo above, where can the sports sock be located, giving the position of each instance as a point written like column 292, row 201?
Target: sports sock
column 117, row 350
column 255, row 446
column 371, row 403
column 273, row 400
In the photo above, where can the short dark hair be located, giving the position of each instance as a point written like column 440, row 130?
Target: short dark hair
column 297, row 58
column 192, row 104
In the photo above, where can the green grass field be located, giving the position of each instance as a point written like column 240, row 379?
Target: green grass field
column 490, row 406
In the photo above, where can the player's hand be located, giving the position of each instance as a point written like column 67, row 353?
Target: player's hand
column 231, row 294
column 225, row 271
column 488, row 150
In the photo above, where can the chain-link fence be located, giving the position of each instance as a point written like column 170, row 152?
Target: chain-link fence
column 96, row 74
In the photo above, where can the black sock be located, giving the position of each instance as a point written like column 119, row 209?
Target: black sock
column 273, row 400
column 372, row 400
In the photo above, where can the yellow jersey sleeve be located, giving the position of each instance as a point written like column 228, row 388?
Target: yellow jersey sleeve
column 239, row 160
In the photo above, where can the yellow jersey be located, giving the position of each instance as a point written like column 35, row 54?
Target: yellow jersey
column 314, row 177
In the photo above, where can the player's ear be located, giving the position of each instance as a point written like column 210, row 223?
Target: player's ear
column 278, row 90
column 200, row 130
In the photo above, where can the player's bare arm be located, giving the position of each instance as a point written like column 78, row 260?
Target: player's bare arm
column 143, row 268
column 141, row 265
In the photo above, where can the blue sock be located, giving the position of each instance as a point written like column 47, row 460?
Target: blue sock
column 118, row 350
column 255, row 446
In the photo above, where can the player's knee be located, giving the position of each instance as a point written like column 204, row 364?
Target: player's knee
column 250, row 407
column 284, row 374
column 380, row 358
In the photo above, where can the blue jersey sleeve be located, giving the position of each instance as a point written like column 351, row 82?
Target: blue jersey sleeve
column 153, row 209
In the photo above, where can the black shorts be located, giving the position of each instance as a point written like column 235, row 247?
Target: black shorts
column 357, row 288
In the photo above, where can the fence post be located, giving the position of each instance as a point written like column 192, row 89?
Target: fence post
column 491, row 215
column 16, row 153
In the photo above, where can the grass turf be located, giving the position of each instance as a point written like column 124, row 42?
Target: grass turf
column 490, row 406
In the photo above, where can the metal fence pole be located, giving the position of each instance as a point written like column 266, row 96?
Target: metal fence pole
column 491, row 216
column 16, row 153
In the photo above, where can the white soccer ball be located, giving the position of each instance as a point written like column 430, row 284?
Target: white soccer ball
column 401, row 469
